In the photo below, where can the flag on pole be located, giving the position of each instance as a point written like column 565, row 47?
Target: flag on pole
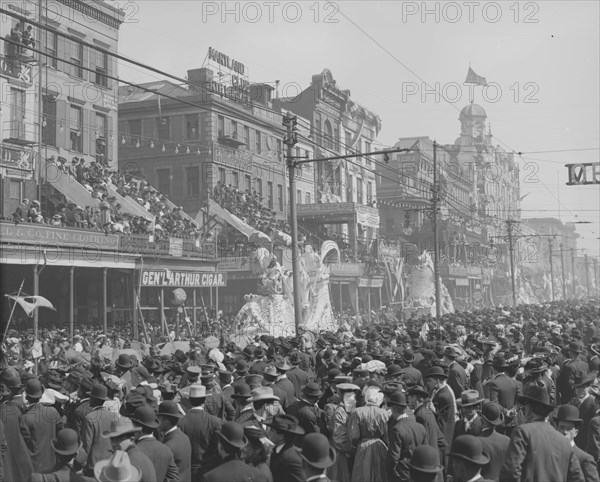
column 30, row 303
column 473, row 78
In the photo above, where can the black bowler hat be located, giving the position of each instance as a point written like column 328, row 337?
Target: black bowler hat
column 435, row 371
column 66, row 442
column 568, row 413
column 425, row 459
column 469, row 448
column 317, row 452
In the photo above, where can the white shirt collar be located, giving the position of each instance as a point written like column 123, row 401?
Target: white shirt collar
column 477, row 477
column 171, row 430
column 146, row 436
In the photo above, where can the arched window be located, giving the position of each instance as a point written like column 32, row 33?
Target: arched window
column 328, row 141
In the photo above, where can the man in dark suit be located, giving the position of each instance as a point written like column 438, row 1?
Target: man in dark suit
column 554, row 457
column 457, row 376
column 39, row 427
column 225, row 380
column 296, row 375
column 571, row 371
column 270, row 377
column 470, row 421
column 179, row 443
column 494, row 444
column 404, row 435
column 443, row 401
column 283, row 381
column 201, row 429
column 286, row 464
column 65, row 445
column 160, row 455
column 230, row 442
column 586, row 403
column 16, row 462
column 216, row 403
column 418, row 399
column 410, row 375
column 568, row 422
column 502, row 388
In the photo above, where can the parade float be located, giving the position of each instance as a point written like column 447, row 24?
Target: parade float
column 270, row 311
column 420, row 298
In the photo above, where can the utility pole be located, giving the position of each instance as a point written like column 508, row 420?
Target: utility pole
column 562, row 269
column 587, row 275
column 291, row 139
column 573, row 272
column 511, row 249
column 436, row 243
column 551, row 267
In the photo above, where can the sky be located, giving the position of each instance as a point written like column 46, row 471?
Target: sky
column 541, row 61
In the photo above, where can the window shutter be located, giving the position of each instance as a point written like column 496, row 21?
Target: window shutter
column 62, row 119
column 109, row 143
column 85, row 62
column 92, row 64
column 88, row 130
column 62, row 44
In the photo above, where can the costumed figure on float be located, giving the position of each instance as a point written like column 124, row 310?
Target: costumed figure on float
column 421, row 299
column 271, row 310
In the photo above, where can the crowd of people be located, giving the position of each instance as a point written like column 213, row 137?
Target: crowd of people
column 249, row 207
column 110, row 216
column 499, row 394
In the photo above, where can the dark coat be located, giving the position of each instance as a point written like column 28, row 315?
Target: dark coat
column 220, row 407
column 495, row 445
column 404, row 436
column 39, row 427
column 435, row 437
column 80, row 413
column 180, row 445
column 412, row 376
column 588, row 465
column 96, row 447
column 286, row 466
column 592, row 446
column 445, row 412
column 65, row 473
column 587, row 411
column 310, row 417
column 504, row 390
column 142, row 462
column 201, row 428
column 161, row 457
column 457, row 379
column 16, row 462
column 538, row 452
column 234, row 470
column 299, row 378
column 570, row 373
column 288, row 387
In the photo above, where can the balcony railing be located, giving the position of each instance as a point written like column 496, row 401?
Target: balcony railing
column 40, row 234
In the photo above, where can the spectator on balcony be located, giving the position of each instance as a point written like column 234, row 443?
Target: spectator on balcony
column 56, row 220
column 28, row 39
column 62, row 215
column 20, row 214
column 80, row 218
column 105, row 219
column 34, row 214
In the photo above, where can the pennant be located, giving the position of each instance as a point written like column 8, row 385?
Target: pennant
column 473, row 78
column 30, row 303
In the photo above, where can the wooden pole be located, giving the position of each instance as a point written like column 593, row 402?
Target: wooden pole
column 104, row 301
column 12, row 310
column 71, row 300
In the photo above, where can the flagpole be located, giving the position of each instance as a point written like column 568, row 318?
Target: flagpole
column 12, row 310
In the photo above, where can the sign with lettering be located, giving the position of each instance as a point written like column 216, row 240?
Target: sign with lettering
column 51, row 235
column 325, row 208
column 16, row 162
column 583, row 174
column 370, row 282
column 237, row 86
column 176, row 247
column 15, row 69
column 182, row 279
column 346, row 269
column 238, row 159
column 234, row 264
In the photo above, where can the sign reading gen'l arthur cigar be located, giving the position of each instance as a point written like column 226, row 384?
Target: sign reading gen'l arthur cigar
column 182, row 279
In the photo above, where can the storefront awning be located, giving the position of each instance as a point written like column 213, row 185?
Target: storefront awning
column 252, row 234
